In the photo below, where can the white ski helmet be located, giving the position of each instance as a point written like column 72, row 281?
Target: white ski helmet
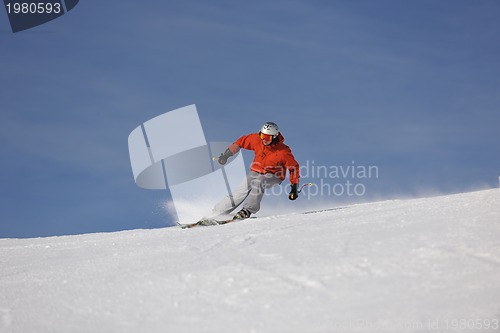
column 270, row 128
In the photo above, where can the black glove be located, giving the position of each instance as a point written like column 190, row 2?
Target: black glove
column 224, row 156
column 294, row 194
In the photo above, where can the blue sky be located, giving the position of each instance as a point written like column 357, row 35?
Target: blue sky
column 412, row 87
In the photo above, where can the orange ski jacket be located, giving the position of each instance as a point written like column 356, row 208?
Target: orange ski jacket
column 275, row 158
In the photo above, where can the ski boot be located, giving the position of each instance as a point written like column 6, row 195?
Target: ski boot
column 242, row 214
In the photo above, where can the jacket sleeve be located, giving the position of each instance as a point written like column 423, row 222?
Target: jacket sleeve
column 292, row 166
column 245, row 142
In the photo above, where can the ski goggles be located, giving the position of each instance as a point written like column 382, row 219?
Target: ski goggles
column 266, row 137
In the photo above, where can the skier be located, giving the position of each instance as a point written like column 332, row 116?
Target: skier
column 272, row 159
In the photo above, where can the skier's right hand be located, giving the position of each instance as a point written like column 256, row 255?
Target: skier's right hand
column 222, row 159
column 224, row 156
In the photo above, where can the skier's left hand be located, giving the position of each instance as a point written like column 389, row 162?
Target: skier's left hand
column 294, row 194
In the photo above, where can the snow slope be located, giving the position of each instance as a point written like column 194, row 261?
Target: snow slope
column 418, row 265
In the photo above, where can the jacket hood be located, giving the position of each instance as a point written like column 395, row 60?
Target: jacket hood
column 279, row 138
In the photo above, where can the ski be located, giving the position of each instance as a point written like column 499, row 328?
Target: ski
column 206, row 222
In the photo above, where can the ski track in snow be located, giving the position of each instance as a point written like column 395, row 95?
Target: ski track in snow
column 394, row 266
